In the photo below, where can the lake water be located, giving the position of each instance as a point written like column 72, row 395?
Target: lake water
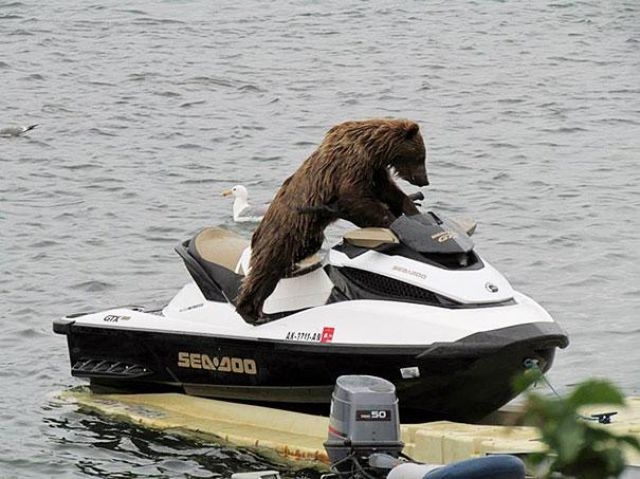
column 147, row 110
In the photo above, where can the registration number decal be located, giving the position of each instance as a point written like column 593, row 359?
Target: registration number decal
column 324, row 336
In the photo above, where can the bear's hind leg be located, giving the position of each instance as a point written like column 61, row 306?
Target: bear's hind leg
column 262, row 279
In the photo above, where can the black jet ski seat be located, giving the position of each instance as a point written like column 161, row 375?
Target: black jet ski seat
column 211, row 256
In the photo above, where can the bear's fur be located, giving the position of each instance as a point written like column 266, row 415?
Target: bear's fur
column 346, row 177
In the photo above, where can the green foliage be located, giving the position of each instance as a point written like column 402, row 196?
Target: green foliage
column 577, row 447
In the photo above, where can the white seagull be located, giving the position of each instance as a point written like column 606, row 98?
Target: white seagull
column 12, row 131
column 242, row 210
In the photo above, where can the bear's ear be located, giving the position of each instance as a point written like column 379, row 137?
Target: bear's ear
column 411, row 130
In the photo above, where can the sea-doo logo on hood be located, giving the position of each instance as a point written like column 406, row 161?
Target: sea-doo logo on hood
column 411, row 272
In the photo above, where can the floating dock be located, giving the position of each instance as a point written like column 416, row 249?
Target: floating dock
column 298, row 438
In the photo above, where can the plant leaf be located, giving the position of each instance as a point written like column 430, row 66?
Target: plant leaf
column 595, row 391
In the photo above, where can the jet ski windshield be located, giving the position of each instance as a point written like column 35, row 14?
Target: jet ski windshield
column 427, row 233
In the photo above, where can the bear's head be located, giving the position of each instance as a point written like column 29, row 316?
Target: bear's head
column 408, row 155
column 387, row 143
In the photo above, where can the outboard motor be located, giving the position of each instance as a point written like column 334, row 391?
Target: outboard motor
column 363, row 422
column 364, row 439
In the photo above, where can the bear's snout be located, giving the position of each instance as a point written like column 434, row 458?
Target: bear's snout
column 419, row 179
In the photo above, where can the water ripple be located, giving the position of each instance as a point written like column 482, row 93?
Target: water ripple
column 93, row 286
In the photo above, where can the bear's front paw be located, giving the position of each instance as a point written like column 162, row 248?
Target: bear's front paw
column 248, row 315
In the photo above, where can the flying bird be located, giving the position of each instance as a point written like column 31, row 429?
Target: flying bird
column 12, row 131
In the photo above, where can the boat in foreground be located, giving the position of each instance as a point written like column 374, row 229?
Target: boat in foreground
column 413, row 304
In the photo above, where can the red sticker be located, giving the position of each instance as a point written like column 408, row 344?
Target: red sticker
column 327, row 335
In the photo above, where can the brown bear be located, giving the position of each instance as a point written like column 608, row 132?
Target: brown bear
column 348, row 176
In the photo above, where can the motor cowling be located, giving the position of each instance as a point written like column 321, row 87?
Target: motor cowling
column 363, row 420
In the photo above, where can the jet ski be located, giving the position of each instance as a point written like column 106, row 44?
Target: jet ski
column 414, row 304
